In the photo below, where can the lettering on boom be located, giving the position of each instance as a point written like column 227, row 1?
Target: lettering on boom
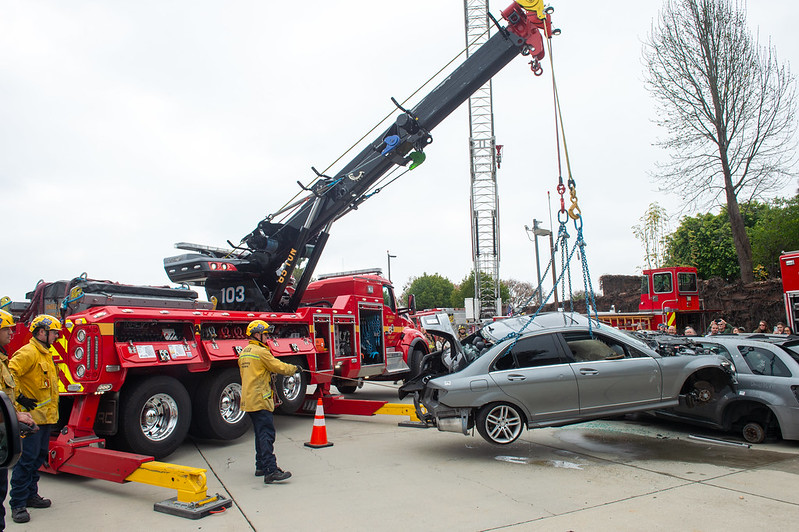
column 289, row 262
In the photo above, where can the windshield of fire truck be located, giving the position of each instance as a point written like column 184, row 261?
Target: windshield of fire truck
column 686, row 282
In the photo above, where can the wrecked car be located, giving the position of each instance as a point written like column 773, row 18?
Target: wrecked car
column 551, row 371
column 766, row 402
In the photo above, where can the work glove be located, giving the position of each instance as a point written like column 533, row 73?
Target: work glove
column 26, row 402
column 25, row 429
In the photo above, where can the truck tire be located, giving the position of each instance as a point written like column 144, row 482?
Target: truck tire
column 291, row 390
column 345, row 386
column 216, row 406
column 415, row 361
column 155, row 413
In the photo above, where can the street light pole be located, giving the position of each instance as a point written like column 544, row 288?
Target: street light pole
column 537, row 262
column 538, row 231
column 554, row 276
column 389, row 256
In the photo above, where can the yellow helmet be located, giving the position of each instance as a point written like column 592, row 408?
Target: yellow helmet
column 257, row 327
column 6, row 319
column 45, row 321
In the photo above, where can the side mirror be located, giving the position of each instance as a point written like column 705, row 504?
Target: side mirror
column 412, row 303
column 10, row 444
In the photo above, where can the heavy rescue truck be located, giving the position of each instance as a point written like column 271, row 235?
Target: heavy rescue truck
column 669, row 295
column 143, row 365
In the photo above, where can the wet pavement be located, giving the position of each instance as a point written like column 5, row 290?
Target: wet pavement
column 602, row 475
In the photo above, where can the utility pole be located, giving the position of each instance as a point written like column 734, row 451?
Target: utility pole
column 537, row 231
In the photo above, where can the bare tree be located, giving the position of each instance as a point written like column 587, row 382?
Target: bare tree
column 652, row 231
column 521, row 294
column 727, row 105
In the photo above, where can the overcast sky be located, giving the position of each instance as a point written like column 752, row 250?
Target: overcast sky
column 128, row 126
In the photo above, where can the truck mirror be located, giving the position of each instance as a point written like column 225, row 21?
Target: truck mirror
column 412, row 303
column 10, row 445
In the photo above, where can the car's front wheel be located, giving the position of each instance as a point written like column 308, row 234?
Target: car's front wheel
column 500, row 423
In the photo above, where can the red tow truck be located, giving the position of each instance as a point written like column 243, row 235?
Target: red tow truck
column 141, row 366
column 669, row 295
column 144, row 366
column 789, row 270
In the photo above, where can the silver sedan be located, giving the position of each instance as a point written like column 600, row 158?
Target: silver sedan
column 551, row 371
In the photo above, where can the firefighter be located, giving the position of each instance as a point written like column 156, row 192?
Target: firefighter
column 8, row 386
column 257, row 364
column 37, row 379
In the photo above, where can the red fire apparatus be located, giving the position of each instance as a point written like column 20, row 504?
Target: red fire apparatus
column 144, row 365
column 668, row 295
column 789, row 269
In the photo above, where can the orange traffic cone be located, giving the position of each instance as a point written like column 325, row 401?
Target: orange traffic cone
column 319, row 432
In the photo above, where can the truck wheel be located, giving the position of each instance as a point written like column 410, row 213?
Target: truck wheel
column 500, row 423
column 291, row 390
column 154, row 416
column 415, row 360
column 345, row 386
column 216, row 406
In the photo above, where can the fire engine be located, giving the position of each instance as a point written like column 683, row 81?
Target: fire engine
column 669, row 296
column 143, row 365
column 789, row 270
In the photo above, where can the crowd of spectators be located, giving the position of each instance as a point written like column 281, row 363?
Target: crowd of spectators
column 720, row 326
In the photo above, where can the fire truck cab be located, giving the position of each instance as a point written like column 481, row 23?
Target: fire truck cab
column 669, row 295
column 789, row 269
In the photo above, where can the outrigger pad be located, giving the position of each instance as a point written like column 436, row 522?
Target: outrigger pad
column 193, row 510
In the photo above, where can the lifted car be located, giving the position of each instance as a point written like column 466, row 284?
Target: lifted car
column 553, row 370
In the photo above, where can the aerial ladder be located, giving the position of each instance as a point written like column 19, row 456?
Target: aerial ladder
column 483, row 155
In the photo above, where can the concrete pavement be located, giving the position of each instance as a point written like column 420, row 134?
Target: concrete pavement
column 604, row 475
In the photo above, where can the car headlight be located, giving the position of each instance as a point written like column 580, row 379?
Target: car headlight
column 80, row 336
column 78, row 354
column 80, row 371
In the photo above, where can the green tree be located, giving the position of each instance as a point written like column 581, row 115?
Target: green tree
column 705, row 242
column 727, row 106
column 775, row 230
column 431, row 291
column 465, row 289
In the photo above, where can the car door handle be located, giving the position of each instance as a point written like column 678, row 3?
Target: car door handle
column 516, row 377
column 587, row 371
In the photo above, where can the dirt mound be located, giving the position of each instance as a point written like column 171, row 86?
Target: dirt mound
column 744, row 305
column 741, row 305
